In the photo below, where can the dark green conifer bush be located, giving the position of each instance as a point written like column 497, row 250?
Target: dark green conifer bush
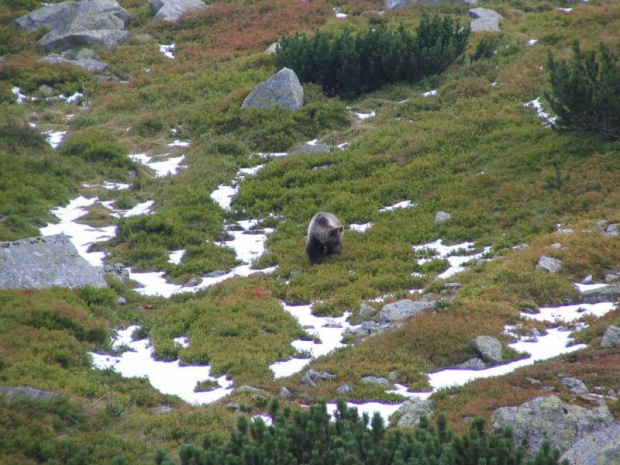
column 309, row 437
column 585, row 94
column 350, row 64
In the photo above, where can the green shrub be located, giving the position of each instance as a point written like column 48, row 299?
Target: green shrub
column 585, row 94
column 309, row 437
column 96, row 146
column 350, row 64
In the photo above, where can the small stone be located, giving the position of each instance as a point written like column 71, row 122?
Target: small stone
column 587, row 280
column 556, row 245
column 612, row 230
column 162, row 410
column 441, row 217
column 250, row 390
column 366, row 311
column 121, row 300
column 232, row 406
column 575, row 385
column 285, row 393
column 473, row 363
column 344, row 389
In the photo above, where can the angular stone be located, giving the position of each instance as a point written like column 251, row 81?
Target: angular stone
column 282, row 90
column 97, row 23
column 344, row 389
column 285, row 393
column 489, row 348
column 611, row 338
column 173, row 10
column 484, row 20
column 474, row 363
column 401, row 309
column 85, row 58
column 442, row 217
column 612, row 230
column 599, row 448
column 412, row 410
column 550, row 418
column 575, row 385
column 44, row 262
column 549, row 264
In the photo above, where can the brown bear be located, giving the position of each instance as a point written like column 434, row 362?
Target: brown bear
column 324, row 237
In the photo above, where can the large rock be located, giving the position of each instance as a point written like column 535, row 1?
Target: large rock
column 399, row 310
column 282, row 90
column 484, row 20
column 489, row 348
column 44, row 262
column 412, row 410
column 549, row 264
column 550, row 418
column 611, row 338
column 600, row 448
column 84, row 58
column 602, row 294
column 97, row 23
column 172, row 10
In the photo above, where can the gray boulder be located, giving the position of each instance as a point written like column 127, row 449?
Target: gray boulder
column 611, row 338
column 28, row 392
column 366, row 329
column 401, row 309
column 311, row 377
column 282, row 90
column 44, row 262
column 442, row 217
column 96, row 23
column 612, row 230
column 574, row 385
column 285, row 393
column 489, row 348
column 397, row 4
column 118, row 271
column 484, row 20
column 84, row 58
column 381, row 381
column 366, row 311
column 412, row 410
column 602, row 294
column 172, row 10
column 549, row 264
column 344, row 389
column 550, row 418
column 599, row 448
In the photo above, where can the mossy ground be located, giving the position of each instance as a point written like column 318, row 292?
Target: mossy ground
column 474, row 151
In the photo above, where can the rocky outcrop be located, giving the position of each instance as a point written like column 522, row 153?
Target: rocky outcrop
column 344, row 389
column 402, row 309
column 484, row 20
column 600, row 448
column 489, row 348
column 311, row 377
column 90, row 23
column 44, row 262
column 282, row 90
column 602, row 294
column 550, row 418
column 397, row 4
column 611, row 338
column 28, row 392
column 549, row 264
column 172, row 10
column 366, row 329
column 412, row 410
column 378, row 380
column 84, row 58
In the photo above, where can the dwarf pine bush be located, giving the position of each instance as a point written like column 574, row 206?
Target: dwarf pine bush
column 350, row 64
column 585, row 94
column 309, row 437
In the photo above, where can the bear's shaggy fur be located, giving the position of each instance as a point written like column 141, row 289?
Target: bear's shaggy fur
column 324, row 237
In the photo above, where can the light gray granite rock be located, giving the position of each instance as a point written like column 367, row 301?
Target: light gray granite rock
column 282, row 90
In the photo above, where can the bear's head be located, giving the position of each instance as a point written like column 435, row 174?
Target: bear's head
column 334, row 240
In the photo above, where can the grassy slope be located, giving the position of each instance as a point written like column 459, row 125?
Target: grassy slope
column 475, row 151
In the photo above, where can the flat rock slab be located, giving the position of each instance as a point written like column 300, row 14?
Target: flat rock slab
column 44, row 262
column 172, row 10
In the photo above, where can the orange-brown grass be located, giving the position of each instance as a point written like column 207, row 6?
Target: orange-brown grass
column 226, row 29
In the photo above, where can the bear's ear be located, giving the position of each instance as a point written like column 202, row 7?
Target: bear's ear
column 340, row 229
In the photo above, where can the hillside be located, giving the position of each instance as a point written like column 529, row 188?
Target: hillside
column 467, row 213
